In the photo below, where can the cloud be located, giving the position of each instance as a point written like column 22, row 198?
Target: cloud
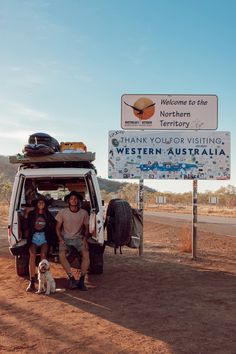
column 23, row 78
column 18, row 121
column 30, row 113
column 13, row 141
column 18, row 111
column 19, row 135
column 84, row 78
column 34, row 80
column 14, row 68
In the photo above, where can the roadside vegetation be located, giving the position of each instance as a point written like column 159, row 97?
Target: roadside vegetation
column 221, row 202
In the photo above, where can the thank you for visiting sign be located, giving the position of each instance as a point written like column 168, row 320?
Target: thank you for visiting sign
column 169, row 155
column 169, row 112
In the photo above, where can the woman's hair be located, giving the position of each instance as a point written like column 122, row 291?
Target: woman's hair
column 45, row 209
column 41, row 197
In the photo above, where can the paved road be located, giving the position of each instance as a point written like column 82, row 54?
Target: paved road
column 218, row 225
column 201, row 218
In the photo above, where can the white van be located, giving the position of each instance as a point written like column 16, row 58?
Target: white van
column 55, row 176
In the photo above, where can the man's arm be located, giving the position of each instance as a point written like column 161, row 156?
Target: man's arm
column 86, row 225
column 58, row 231
column 86, row 230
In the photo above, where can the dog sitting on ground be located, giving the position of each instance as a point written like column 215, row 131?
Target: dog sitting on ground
column 47, row 284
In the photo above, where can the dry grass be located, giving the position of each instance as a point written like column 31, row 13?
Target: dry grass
column 187, row 209
column 4, row 208
column 185, row 240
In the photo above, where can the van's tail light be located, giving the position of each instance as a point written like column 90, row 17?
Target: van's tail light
column 9, row 231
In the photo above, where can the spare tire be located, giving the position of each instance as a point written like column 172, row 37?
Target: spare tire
column 96, row 258
column 119, row 223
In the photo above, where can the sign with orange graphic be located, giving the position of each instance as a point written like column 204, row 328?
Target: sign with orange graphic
column 169, row 112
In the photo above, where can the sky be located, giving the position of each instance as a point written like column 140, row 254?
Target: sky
column 65, row 64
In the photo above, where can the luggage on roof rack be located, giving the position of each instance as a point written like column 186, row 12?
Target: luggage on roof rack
column 37, row 150
column 73, row 147
column 44, row 139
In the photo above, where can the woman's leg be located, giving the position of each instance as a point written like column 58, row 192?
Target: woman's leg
column 43, row 251
column 32, row 252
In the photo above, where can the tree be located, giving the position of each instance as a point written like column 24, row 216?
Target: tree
column 5, row 189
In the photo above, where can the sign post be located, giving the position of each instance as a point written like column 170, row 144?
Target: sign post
column 141, row 207
column 194, row 223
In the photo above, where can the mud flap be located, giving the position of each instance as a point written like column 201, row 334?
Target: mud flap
column 22, row 265
column 96, row 258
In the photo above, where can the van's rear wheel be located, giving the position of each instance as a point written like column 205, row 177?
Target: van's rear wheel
column 22, row 265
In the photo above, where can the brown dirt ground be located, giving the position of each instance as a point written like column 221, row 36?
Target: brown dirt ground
column 161, row 302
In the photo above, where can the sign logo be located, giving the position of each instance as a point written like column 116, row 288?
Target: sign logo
column 143, row 108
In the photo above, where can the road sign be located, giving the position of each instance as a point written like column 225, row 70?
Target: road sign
column 169, row 155
column 169, row 112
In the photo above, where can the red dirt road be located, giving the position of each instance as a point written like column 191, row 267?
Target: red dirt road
column 162, row 302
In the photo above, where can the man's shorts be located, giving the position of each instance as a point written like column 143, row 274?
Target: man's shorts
column 76, row 243
column 39, row 238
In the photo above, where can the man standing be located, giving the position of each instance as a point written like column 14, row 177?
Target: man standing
column 72, row 230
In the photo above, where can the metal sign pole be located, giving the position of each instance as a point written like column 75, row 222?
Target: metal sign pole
column 194, row 223
column 140, row 207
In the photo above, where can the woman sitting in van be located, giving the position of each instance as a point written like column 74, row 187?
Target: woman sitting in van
column 41, row 226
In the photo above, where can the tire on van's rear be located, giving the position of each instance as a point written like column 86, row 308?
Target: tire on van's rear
column 22, row 265
column 96, row 258
column 118, row 222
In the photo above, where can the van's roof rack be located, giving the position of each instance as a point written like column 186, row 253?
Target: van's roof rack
column 58, row 159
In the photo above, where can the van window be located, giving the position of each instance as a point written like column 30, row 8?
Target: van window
column 92, row 193
column 54, row 189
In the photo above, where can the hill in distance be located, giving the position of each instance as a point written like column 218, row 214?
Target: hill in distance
column 7, row 169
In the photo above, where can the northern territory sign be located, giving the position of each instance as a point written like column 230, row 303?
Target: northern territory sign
column 169, row 112
column 169, row 155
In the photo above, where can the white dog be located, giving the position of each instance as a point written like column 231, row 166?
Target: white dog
column 47, row 284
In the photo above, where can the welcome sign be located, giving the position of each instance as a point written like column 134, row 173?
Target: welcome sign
column 169, row 112
column 169, row 155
